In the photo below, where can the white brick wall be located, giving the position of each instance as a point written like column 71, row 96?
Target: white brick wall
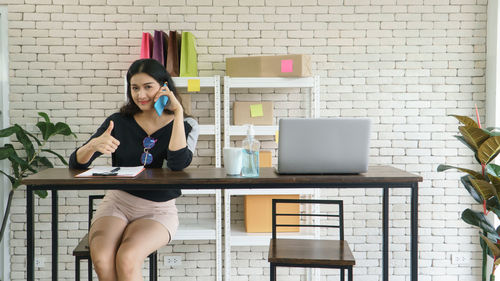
column 405, row 64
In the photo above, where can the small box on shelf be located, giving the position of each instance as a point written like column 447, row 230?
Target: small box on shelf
column 258, row 213
column 256, row 113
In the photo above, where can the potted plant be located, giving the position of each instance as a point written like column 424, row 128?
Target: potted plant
column 483, row 186
column 32, row 156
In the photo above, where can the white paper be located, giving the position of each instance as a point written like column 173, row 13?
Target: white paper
column 122, row 172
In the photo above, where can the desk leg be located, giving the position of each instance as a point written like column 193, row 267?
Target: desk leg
column 55, row 235
column 414, row 232
column 385, row 234
column 30, row 236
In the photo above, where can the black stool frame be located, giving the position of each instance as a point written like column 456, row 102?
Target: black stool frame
column 340, row 226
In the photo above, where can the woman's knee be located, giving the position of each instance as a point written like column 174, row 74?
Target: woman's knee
column 128, row 261
column 104, row 265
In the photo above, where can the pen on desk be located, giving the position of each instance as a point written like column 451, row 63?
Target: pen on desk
column 115, row 170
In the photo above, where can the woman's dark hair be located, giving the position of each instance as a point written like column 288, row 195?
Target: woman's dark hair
column 154, row 69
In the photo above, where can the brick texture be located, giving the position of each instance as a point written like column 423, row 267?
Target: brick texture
column 406, row 65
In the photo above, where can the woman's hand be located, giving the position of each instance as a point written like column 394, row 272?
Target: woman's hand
column 173, row 103
column 105, row 143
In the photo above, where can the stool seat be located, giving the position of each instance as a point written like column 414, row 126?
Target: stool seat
column 82, row 249
column 306, row 252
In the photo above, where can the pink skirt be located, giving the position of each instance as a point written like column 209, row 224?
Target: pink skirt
column 123, row 205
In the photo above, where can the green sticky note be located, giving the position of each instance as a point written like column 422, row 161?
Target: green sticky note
column 256, row 110
column 193, row 85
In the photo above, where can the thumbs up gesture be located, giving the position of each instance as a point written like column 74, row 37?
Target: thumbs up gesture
column 105, row 143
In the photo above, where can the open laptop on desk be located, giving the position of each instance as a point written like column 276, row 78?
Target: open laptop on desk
column 323, row 146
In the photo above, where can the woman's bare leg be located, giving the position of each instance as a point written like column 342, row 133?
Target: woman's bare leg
column 104, row 238
column 140, row 238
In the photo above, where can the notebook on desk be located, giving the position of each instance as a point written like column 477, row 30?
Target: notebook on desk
column 323, row 146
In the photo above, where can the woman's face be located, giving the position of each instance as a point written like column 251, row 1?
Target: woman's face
column 143, row 89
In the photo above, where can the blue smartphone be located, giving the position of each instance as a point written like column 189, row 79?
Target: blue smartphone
column 161, row 103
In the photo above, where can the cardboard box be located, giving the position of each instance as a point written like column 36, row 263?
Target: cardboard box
column 265, row 159
column 269, row 66
column 256, row 113
column 258, row 213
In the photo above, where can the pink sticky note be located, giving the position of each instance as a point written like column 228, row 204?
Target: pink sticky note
column 286, row 65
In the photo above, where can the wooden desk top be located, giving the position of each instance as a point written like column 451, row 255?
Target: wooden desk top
column 63, row 178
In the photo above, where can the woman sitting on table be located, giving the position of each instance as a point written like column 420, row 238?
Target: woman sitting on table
column 130, row 225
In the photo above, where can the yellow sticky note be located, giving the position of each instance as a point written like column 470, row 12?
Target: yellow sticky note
column 193, row 85
column 256, row 110
column 277, row 136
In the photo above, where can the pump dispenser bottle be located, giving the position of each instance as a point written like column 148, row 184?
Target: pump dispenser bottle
column 251, row 147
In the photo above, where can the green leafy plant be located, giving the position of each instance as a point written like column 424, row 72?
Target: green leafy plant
column 32, row 156
column 483, row 186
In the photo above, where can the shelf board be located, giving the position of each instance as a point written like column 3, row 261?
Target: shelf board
column 239, row 237
column 270, row 82
column 207, row 129
column 182, row 82
column 198, row 191
column 276, row 191
column 259, row 130
column 193, row 229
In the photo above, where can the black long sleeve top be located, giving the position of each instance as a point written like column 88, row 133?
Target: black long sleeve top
column 130, row 134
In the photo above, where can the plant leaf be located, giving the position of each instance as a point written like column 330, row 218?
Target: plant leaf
column 22, row 163
column 26, row 142
column 493, row 169
column 473, row 173
column 47, row 129
column 16, row 184
column 44, row 162
column 33, row 137
column 486, row 189
column 41, row 193
column 462, row 140
column 468, row 185
column 8, row 131
column 492, row 246
column 489, row 150
column 11, row 178
column 495, row 181
column 6, row 152
column 15, row 165
column 45, row 116
column 478, row 219
column 56, row 154
column 467, row 121
column 63, row 129
column 473, row 136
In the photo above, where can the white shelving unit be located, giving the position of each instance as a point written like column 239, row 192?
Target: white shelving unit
column 235, row 235
column 193, row 229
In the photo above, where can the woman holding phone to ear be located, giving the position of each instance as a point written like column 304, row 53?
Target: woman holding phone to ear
column 130, row 225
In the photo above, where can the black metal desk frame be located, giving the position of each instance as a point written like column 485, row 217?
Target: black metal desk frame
column 413, row 186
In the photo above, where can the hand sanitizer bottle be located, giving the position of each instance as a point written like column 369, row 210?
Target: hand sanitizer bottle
column 251, row 146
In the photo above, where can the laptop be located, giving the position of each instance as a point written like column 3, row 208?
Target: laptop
column 323, row 146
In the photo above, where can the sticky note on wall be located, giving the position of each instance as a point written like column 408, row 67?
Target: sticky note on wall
column 286, row 65
column 193, row 85
column 256, row 110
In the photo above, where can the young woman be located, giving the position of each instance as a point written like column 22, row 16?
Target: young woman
column 130, row 225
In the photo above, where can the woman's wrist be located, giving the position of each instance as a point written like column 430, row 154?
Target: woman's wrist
column 179, row 113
